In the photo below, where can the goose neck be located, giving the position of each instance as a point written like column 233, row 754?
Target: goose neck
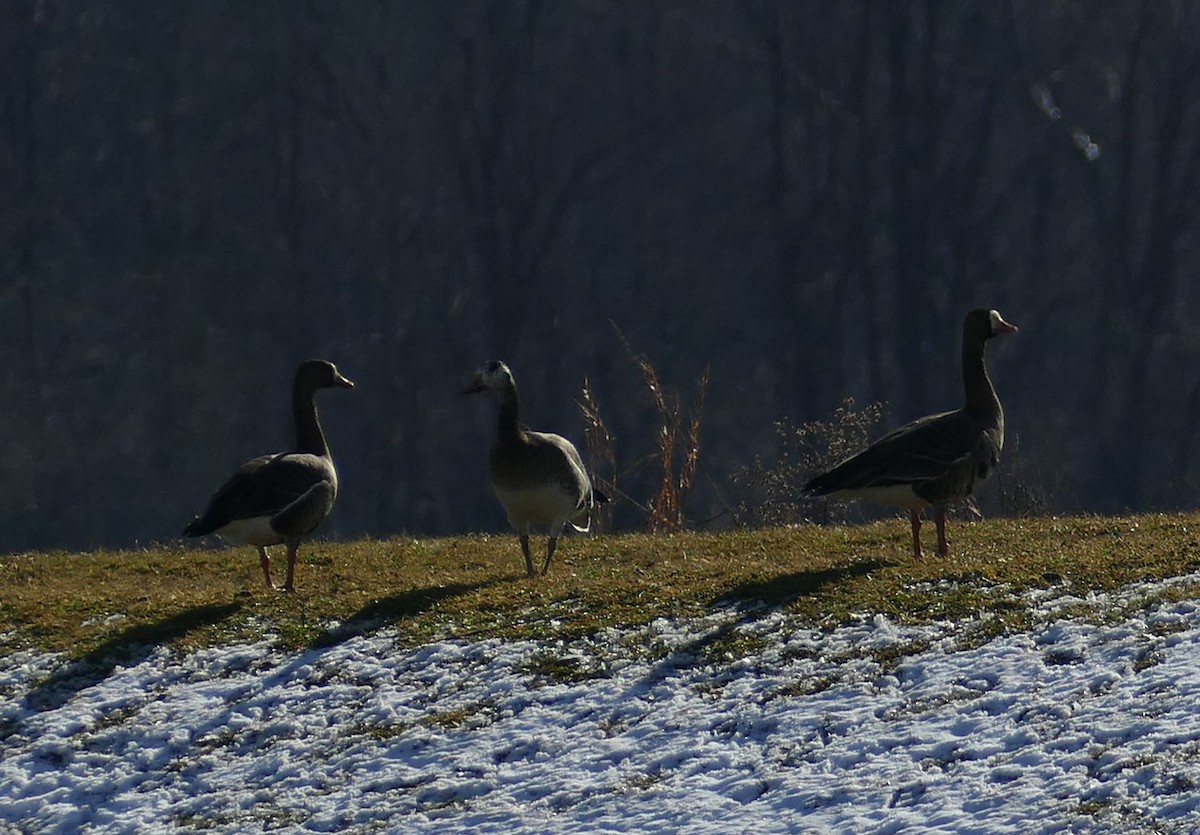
column 510, row 414
column 310, row 437
column 981, row 395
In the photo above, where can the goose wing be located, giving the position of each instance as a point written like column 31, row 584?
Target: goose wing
column 264, row 486
column 303, row 515
column 936, row 449
column 566, row 464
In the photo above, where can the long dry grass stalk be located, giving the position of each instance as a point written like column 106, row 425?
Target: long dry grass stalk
column 667, row 507
column 691, row 462
column 601, row 451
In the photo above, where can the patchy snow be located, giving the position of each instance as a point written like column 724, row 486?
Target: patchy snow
column 1085, row 724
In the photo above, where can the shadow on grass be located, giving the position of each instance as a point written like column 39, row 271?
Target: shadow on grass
column 129, row 646
column 750, row 601
column 781, row 590
column 390, row 610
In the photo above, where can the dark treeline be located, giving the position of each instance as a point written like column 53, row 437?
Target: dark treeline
column 804, row 197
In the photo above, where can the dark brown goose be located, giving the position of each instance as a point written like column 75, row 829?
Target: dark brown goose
column 538, row 477
column 938, row 459
column 282, row 497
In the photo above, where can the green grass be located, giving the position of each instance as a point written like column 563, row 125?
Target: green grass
column 103, row 605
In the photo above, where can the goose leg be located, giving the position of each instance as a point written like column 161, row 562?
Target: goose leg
column 529, row 569
column 940, row 519
column 916, row 532
column 264, row 559
column 550, row 546
column 290, row 585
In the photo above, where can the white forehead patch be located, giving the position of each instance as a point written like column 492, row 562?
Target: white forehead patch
column 495, row 374
column 999, row 325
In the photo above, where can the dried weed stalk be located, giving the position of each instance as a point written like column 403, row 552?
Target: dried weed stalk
column 601, row 453
column 678, row 450
column 805, row 449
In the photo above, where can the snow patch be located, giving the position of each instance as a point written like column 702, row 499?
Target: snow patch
column 873, row 727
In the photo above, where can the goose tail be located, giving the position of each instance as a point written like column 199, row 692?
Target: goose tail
column 195, row 528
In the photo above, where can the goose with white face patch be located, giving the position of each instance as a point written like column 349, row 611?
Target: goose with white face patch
column 538, row 477
column 282, row 497
column 938, row 459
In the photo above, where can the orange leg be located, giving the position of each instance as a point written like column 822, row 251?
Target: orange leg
column 529, row 569
column 290, row 585
column 916, row 531
column 940, row 519
column 549, row 553
column 264, row 559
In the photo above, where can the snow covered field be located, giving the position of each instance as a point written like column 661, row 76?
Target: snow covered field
column 1086, row 724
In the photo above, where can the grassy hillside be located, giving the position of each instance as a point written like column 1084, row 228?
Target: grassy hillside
column 109, row 603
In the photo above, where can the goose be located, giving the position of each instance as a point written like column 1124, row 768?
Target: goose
column 282, row 497
column 937, row 459
column 538, row 477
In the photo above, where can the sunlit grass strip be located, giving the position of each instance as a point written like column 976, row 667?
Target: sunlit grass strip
column 108, row 603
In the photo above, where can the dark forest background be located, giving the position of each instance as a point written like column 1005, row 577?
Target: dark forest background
column 804, row 197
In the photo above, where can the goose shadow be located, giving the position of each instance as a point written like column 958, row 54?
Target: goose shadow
column 393, row 609
column 779, row 591
column 130, row 646
column 751, row 600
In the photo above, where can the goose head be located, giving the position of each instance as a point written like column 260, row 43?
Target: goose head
column 491, row 376
column 982, row 324
column 320, row 374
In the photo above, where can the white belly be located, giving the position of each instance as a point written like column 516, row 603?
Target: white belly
column 253, row 531
column 896, row 495
column 540, row 506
